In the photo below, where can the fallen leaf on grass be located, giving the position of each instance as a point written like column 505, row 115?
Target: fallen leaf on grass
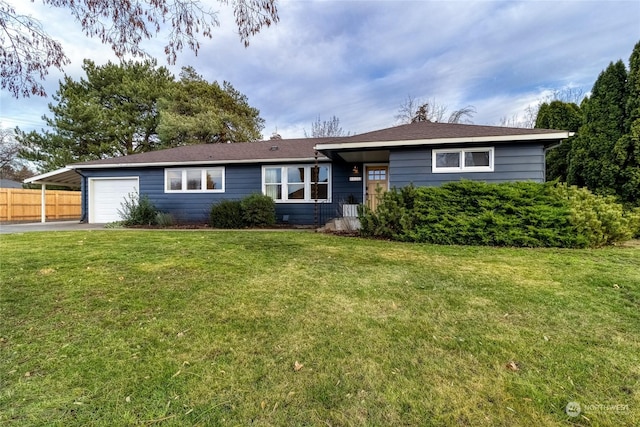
column 513, row 366
column 297, row 366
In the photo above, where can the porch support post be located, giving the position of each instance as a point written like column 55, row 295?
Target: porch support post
column 316, row 221
column 43, row 202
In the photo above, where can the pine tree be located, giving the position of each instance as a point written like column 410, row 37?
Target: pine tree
column 198, row 112
column 593, row 163
column 627, row 149
column 110, row 113
column 559, row 115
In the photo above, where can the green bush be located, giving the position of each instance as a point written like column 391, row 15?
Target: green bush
column 599, row 220
column 258, row 210
column 137, row 210
column 255, row 210
column 226, row 214
column 509, row 214
column 164, row 219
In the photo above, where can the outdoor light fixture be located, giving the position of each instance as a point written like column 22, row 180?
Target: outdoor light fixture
column 355, row 170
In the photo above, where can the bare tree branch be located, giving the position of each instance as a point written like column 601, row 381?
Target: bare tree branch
column 326, row 128
column 27, row 51
column 9, row 148
column 11, row 166
column 413, row 110
column 462, row 115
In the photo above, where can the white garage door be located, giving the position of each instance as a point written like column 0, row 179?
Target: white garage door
column 106, row 196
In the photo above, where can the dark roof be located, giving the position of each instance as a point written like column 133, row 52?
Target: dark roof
column 275, row 150
column 7, row 183
column 430, row 130
column 303, row 148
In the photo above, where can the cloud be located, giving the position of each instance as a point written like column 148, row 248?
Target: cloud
column 358, row 60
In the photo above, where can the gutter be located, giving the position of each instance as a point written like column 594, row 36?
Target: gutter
column 551, row 147
column 442, row 141
column 193, row 163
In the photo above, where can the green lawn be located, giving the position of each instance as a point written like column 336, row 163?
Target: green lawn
column 111, row 328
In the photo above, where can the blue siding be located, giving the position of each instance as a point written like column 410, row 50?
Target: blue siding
column 342, row 190
column 240, row 181
column 512, row 163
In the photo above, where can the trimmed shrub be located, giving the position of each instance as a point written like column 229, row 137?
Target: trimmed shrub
column 510, row 214
column 137, row 210
column 258, row 210
column 226, row 214
column 164, row 219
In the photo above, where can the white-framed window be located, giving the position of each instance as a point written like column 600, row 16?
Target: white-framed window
column 448, row 160
column 194, row 180
column 297, row 183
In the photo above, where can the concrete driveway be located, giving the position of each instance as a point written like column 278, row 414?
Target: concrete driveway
column 48, row 226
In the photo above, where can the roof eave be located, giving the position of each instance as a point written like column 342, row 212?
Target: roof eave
column 195, row 163
column 443, row 141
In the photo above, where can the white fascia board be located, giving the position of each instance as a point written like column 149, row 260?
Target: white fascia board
column 198, row 163
column 44, row 176
column 443, row 141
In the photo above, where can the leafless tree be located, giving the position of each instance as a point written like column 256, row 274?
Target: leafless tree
column 9, row 148
column 511, row 122
column 27, row 52
column 10, row 165
column 528, row 120
column 413, row 110
column 575, row 95
column 462, row 115
column 326, row 128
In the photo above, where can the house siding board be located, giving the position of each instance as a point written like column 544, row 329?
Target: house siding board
column 342, row 186
column 240, row 181
column 342, row 189
column 511, row 163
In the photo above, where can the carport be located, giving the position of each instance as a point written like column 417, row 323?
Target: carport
column 64, row 177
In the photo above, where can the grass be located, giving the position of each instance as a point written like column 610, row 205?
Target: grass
column 205, row 328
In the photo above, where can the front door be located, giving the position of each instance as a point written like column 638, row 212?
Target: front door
column 376, row 185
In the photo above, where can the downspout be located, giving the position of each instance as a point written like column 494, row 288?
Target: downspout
column 544, row 152
column 84, row 212
column 315, row 192
column 43, row 203
column 544, row 160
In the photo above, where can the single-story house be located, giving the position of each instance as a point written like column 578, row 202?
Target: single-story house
column 8, row 183
column 309, row 179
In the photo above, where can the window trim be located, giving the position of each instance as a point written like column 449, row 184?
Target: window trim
column 462, row 168
column 307, row 182
column 203, row 180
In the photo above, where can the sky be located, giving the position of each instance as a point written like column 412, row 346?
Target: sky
column 360, row 60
